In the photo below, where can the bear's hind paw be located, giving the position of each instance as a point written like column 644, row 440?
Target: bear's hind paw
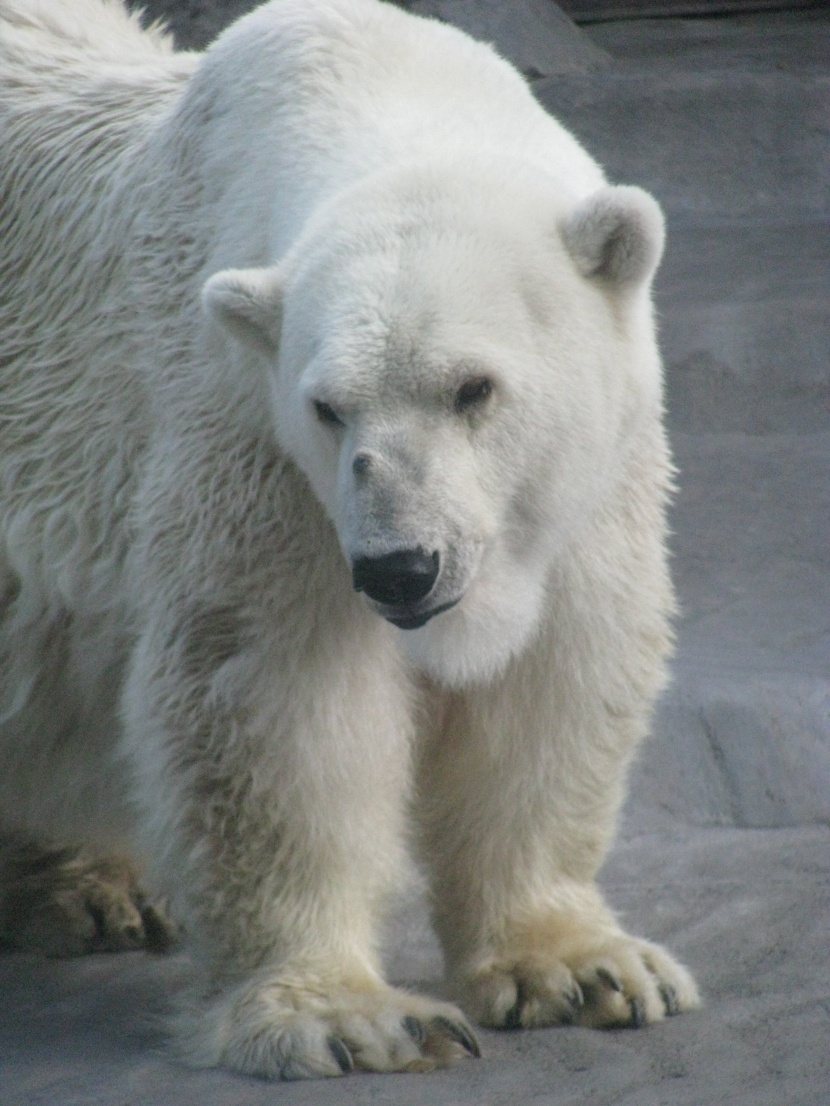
column 60, row 902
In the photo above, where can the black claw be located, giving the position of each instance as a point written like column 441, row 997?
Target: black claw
column 134, row 935
column 459, row 1033
column 638, row 1013
column 415, row 1029
column 341, row 1054
column 576, row 998
column 609, row 979
column 669, row 997
column 159, row 933
column 575, row 1001
column 513, row 1018
column 99, row 920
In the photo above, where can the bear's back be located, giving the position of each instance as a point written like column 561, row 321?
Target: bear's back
column 343, row 88
column 81, row 88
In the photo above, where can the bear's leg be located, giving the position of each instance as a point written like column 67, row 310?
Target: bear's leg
column 275, row 778
column 65, row 902
column 520, row 788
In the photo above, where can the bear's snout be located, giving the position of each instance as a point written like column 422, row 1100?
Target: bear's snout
column 398, row 579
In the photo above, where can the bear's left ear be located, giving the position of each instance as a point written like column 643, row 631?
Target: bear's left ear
column 616, row 235
column 248, row 304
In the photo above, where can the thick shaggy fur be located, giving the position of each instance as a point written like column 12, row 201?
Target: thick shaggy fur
column 334, row 289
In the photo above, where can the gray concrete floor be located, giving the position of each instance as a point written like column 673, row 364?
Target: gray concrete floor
column 724, row 851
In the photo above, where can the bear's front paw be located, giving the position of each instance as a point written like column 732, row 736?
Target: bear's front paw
column 309, row 1029
column 614, row 981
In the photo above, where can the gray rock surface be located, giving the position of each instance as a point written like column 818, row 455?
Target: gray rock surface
column 535, row 35
column 728, row 122
column 725, row 846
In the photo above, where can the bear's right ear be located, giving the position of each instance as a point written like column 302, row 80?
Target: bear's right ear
column 248, row 304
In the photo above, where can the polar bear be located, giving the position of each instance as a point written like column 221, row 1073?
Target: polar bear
column 332, row 491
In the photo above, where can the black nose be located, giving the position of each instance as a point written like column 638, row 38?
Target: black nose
column 398, row 579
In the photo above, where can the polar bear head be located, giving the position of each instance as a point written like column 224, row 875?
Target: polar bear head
column 457, row 361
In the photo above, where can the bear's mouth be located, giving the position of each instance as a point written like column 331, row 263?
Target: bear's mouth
column 408, row 620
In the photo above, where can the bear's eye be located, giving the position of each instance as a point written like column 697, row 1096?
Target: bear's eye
column 327, row 414
column 472, row 393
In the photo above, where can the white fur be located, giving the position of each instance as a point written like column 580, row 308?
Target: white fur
column 338, row 203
